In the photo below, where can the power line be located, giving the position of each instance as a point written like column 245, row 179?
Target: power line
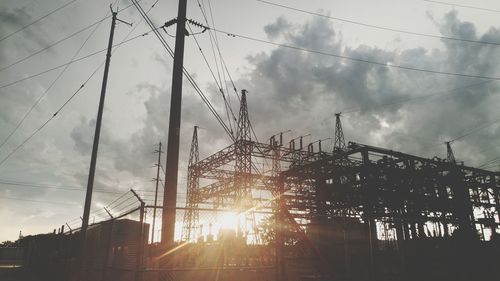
column 379, row 27
column 50, row 118
column 214, row 41
column 37, row 102
column 205, row 58
column 387, row 64
column 219, row 86
column 490, row 162
column 214, row 36
column 64, row 64
column 69, row 99
column 221, row 60
column 186, row 73
column 211, row 37
column 38, row 201
column 58, row 41
column 462, row 6
column 449, row 91
column 37, row 20
column 476, row 129
column 36, row 186
column 51, row 45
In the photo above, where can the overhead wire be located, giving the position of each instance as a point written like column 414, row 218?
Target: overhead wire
column 97, row 190
column 360, row 60
column 213, row 37
column 204, row 58
column 186, row 73
column 490, row 162
column 39, row 186
column 64, row 64
column 379, row 27
column 203, row 12
column 66, row 102
column 47, row 89
column 60, row 41
column 49, row 46
column 222, row 62
column 216, row 40
column 37, row 20
column 227, row 102
column 38, row 201
column 412, row 99
column 215, row 79
column 462, row 6
column 476, row 129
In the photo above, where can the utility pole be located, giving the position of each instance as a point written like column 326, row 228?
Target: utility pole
column 93, row 159
column 156, row 190
column 90, row 183
column 172, row 166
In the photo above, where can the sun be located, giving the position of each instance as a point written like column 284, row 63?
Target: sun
column 229, row 221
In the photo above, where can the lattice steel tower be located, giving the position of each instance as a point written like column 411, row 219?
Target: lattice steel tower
column 243, row 153
column 339, row 143
column 449, row 153
column 191, row 216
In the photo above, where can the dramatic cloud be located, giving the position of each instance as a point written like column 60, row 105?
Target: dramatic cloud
column 383, row 106
column 288, row 89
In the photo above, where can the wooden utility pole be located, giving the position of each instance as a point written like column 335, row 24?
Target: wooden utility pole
column 90, row 183
column 156, row 191
column 172, row 166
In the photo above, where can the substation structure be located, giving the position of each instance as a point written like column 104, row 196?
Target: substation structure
column 355, row 213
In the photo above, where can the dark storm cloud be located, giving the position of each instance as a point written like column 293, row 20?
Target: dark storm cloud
column 301, row 91
column 289, row 89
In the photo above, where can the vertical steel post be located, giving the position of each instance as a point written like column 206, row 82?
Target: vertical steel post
column 369, row 199
column 156, row 193
column 90, row 183
column 172, row 166
column 280, row 233
column 140, row 244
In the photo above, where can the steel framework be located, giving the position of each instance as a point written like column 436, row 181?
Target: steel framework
column 243, row 176
column 337, row 207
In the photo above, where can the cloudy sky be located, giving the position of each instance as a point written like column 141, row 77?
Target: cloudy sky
column 42, row 183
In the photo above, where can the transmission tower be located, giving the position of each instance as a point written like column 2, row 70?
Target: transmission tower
column 449, row 153
column 191, row 216
column 339, row 144
column 243, row 160
column 243, row 130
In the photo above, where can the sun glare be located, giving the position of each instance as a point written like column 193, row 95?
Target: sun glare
column 229, row 221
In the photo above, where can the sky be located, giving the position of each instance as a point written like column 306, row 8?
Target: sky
column 42, row 184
